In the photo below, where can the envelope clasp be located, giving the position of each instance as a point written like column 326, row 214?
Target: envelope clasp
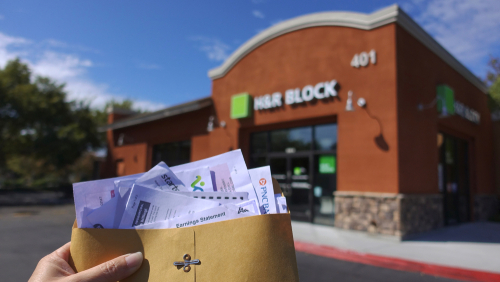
column 187, row 262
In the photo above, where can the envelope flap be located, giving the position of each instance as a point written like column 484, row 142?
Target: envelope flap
column 161, row 248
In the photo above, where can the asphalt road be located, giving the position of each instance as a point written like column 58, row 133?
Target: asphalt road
column 29, row 233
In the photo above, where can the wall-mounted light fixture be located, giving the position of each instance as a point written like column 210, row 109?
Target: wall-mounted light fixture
column 210, row 125
column 212, row 122
column 124, row 139
column 361, row 102
column 349, row 107
column 121, row 139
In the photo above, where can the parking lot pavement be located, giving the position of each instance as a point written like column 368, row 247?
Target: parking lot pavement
column 29, row 233
column 320, row 269
column 471, row 246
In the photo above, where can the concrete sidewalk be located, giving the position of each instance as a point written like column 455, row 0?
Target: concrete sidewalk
column 472, row 246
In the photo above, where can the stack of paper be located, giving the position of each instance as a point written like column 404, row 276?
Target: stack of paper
column 210, row 190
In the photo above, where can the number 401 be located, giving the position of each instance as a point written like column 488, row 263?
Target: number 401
column 363, row 59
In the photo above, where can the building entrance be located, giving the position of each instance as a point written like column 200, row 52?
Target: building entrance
column 303, row 161
column 454, row 181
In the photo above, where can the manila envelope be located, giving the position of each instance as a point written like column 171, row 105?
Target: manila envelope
column 256, row 248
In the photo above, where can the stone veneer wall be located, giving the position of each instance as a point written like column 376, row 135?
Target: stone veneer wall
column 420, row 213
column 389, row 214
column 485, row 206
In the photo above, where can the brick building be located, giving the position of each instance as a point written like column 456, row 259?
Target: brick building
column 366, row 121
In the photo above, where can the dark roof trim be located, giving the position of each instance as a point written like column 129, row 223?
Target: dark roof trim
column 168, row 112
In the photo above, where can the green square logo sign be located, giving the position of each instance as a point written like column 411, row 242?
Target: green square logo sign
column 327, row 164
column 241, row 106
column 445, row 100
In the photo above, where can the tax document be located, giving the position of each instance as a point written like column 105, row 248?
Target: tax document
column 146, row 206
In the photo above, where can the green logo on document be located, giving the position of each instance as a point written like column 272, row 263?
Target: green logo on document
column 241, row 106
column 197, row 188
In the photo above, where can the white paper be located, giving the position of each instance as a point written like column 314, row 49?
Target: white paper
column 95, row 200
column 263, row 184
column 110, row 214
column 104, row 216
column 146, row 206
column 281, row 206
column 85, row 223
column 220, row 197
column 211, row 215
column 221, row 178
column 247, row 206
column 196, row 180
column 237, row 169
column 161, row 177
column 96, row 187
column 124, row 187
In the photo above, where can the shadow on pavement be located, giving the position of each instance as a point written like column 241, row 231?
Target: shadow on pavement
column 475, row 232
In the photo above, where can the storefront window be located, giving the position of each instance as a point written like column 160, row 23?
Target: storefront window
column 259, row 142
column 325, row 137
column 259, row 161
column 172, row 154
column 294, row 139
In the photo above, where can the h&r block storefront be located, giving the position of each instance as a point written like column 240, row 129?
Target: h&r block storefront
column 366, row 121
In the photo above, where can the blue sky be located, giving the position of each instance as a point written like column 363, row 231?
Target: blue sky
column 158, row 53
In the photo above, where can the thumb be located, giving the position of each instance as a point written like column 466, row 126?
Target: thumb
column 113, row 270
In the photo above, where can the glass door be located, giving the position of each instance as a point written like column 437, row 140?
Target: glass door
column 453, row 172
column 299, row 200
column 292, row 173
column 303, row 161
column 279, row 172
column 325, row 183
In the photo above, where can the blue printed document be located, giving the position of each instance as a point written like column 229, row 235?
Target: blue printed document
column 263, row 183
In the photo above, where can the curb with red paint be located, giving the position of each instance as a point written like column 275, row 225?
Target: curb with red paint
column 397, row 263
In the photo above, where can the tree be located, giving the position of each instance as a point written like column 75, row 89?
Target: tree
column 101, row 115
column 41, row 133
column 494, row 96
column 493, row 81
column 494, row 73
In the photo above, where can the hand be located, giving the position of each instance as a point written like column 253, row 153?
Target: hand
column 55, row 267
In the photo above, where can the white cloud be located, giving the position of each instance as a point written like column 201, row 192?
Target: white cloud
column 63, row 68
column 467, row 29
column 258, row 14
column 56, row 44
column 215, row 49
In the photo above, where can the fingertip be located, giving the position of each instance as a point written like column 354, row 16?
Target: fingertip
column 134, row 260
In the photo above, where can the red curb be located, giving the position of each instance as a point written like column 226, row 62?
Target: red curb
column 396, row 263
